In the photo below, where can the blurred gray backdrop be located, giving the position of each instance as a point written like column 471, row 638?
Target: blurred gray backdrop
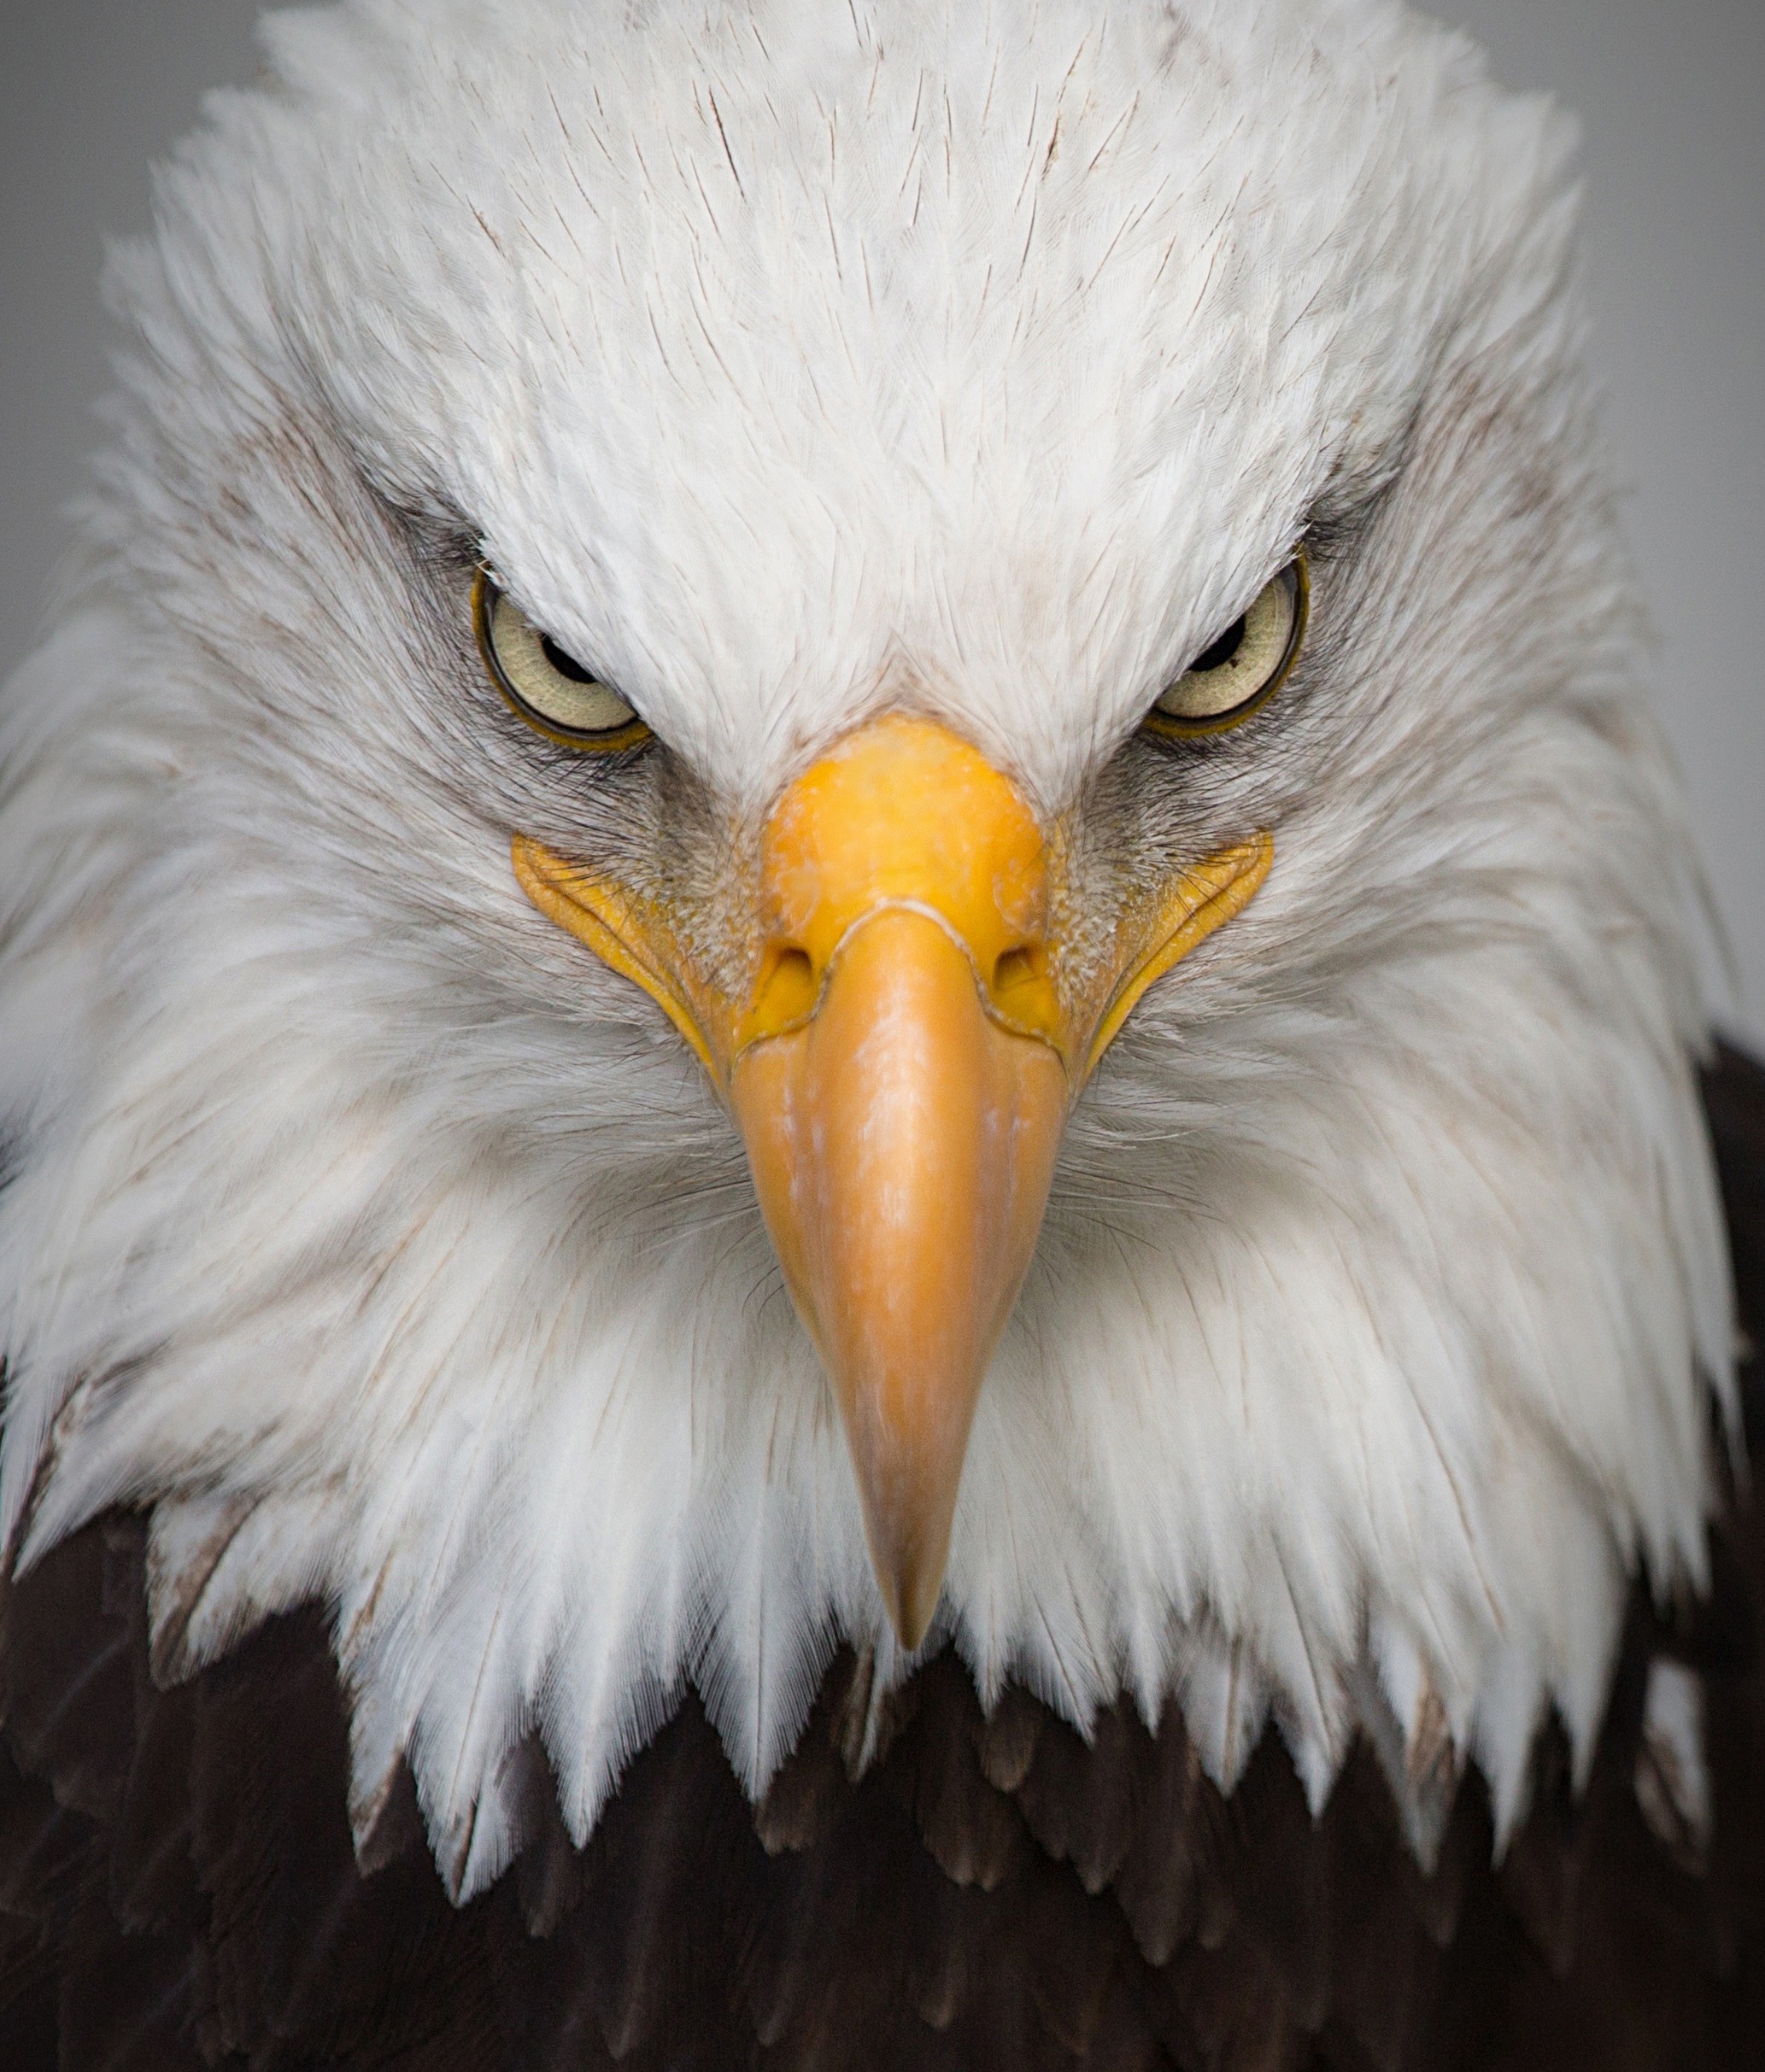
column 1672, row 94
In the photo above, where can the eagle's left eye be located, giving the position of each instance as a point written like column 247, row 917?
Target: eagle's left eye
column 1240, row 672
column 551, row 690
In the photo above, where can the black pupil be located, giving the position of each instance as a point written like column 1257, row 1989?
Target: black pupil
column 565, row 665
column 1222, row 650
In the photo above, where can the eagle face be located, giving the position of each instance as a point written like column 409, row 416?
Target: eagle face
column 846, row 836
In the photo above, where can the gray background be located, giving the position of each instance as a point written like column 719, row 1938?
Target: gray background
column 1671, row 93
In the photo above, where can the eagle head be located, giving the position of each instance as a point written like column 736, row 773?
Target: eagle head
column 844, row 836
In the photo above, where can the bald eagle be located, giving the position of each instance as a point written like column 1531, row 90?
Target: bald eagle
column 856, row 1210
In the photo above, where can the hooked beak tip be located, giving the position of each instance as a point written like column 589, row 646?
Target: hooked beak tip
column 909, row 1565
column 910, row 1613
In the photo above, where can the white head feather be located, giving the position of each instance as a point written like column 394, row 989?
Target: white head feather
column 793, row 361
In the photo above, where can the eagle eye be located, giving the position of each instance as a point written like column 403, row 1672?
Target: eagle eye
column 1241, row 671
column 557, row 695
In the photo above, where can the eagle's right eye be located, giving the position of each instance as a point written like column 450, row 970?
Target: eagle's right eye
column 551, row 690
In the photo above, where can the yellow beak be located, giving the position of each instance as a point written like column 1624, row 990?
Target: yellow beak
column 901, row 1072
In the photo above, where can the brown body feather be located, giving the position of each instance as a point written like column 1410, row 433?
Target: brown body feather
column 177, row 1887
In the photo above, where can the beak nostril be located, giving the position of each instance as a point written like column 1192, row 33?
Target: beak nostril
column 788, row 984
column 1015, row 968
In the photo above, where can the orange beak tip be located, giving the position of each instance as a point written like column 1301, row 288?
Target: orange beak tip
column 911, row 1623
column 910, row 1564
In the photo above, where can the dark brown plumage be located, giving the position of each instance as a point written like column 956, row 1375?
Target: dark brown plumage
column 178, row 1889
